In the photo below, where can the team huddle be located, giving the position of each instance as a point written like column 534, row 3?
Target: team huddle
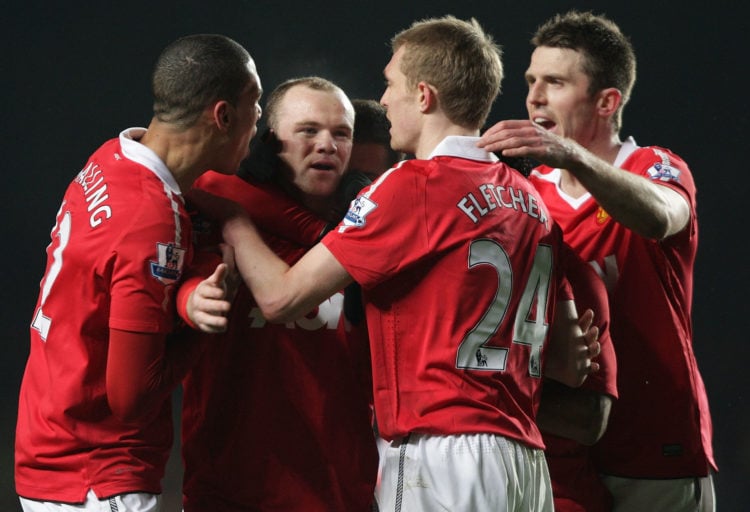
column 367, row 307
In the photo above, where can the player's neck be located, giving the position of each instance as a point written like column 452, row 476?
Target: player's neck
column 180, row 150
column 434, row 135
column 605, row 149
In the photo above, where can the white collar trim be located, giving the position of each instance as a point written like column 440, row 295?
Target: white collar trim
column 463, row 147
column 138, row 153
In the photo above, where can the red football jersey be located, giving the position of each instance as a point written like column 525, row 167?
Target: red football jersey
column 576, row 485
column 119, row 245
column 660, row 426
column 279, row 417
column 458, row 261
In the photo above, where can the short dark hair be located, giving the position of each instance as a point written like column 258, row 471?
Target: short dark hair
column 608, row 56
column 195, row 71
column 371, row 126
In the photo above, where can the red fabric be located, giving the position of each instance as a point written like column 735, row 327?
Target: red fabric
column 445, row 249
column 278, row 417
column 119, row 246
column 660, row 427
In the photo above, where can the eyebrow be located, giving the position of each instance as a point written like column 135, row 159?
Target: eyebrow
column 317, row 124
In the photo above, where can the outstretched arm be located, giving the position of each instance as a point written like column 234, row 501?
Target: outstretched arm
column 283, row 293
column 651, row 210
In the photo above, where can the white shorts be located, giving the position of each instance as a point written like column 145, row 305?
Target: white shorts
column 695, row 494
column 473, row 472
column 132, row 502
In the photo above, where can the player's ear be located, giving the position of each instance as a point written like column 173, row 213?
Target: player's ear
column 427, row 97
column 608, row 101
column 222, row 114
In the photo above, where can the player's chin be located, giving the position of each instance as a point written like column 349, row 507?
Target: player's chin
column 324, row 187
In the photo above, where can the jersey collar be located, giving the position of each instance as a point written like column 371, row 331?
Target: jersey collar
column 628, row 148
column 462, row 147
column 138, row 153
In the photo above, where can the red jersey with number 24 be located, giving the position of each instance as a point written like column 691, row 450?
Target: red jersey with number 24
column 457, row 259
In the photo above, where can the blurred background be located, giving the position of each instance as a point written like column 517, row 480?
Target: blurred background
column 76, row 73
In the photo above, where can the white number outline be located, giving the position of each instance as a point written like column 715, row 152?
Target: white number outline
column 61, row 230
column 528, row 329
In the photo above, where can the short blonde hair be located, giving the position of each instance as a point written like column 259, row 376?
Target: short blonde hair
column 457, row 58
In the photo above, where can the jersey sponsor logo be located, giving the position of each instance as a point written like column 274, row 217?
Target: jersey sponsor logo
column 601, row 216
column 663, row 170
column 359, row 209
column 168, row 266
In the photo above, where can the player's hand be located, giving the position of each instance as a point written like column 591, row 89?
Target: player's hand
column 526, row 139
column 208, row 304
column 570, row 358
column 232, row 278
column 263, row 162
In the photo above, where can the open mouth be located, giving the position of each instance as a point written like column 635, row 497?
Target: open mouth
column 544, row 123
column 321, row 166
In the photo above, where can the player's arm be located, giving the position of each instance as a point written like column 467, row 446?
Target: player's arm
column 651, row 210
column 575, row 413
column 144, row 368
column 582, row 413
column 283, row 293
column 204, row 297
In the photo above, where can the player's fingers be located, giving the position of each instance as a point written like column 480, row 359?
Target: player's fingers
column 211, row 323
column 219, row 274
column 586, row 319
column 227, row 256
column 594, row 349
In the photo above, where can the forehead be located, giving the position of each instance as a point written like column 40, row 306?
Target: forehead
column 301, row 104
column 559, row 61
column 393, row 68
column 254, row 87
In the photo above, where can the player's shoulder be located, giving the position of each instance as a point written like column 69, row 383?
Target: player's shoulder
column 659, row 164
column 648, row 155
column 543, row 173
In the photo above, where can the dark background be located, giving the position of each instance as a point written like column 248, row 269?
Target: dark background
column 75, row 74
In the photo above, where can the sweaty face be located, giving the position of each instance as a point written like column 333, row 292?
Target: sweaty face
column 315, row 129
column 244, row 118
column 558, row 97
column 400, row 101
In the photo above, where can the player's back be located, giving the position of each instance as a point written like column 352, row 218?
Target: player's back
column 116, row 242
column 456, row 257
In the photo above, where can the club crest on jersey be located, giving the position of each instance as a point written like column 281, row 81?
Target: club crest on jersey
column 169, row 265
column 601, row 215
column 359, row 209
